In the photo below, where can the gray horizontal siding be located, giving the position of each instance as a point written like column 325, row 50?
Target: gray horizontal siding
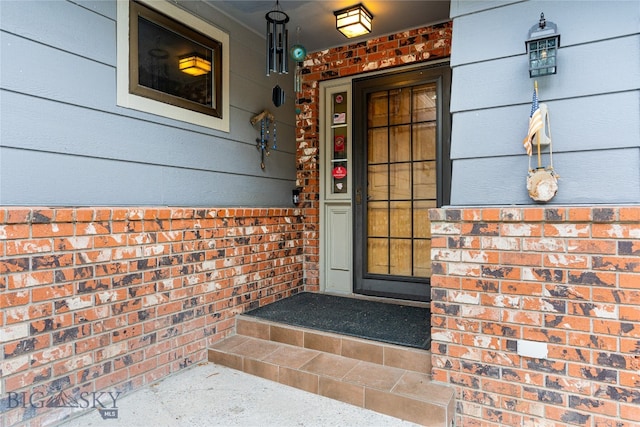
column 594, row 102
column 63, row 25
column 502, row 31
column 68, row 129
column 67, row 180
column 464, row 7
column 66, row 118
column 500, row 131
column 506, row 81
column 605, row 176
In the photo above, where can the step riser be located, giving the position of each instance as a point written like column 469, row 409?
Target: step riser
column 355, row 348
column 385, row 402
column 382, row 377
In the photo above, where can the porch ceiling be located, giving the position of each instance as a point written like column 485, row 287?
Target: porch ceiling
column 317, row 22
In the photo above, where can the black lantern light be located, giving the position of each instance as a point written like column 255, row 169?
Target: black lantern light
column 277, row 41
column 542, row 48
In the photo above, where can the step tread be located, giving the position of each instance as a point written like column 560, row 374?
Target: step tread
column 379, row 376
column 358, row 372
column 386, row 354
column 401, row 393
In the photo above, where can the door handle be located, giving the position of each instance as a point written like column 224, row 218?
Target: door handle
column 358, row 195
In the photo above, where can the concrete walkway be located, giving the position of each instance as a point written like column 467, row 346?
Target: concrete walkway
column 214, row 395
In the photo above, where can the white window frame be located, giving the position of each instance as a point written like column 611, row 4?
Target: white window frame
column 128, row 100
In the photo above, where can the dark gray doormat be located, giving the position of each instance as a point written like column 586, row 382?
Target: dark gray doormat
column 404, row 325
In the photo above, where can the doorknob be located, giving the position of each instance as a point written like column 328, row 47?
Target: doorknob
column 358, row 195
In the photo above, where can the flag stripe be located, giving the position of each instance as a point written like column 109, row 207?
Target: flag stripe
column 535, row 123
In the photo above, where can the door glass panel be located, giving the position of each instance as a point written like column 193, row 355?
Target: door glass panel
column 401, row 178
column 400, row 106
column 378, row 219
column 378, row 177
column 424, row 141
column 378, row 110
column 400, row 181
column 400, row 219
column 378, row 255
column 339, row 144
column 378, row 146
column 400, row 254
column 424, row 103
column 421, row 224
column 422, row 258
column 424, row 180
column 400, row 144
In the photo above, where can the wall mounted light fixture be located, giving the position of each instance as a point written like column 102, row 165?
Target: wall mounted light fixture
column 542, row 48
column 295, row 195
column 277, row 41
column 353, row 21
column 194, row 65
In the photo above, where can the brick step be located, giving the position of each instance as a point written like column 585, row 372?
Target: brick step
column 385, row 378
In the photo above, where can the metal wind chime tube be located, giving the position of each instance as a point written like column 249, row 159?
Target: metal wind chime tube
column 277, row 41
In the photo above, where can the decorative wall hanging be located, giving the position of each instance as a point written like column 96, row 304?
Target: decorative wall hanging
column 542, row 182
column 266, row 120
column 298, row 53
column 277, row 96
column 277, row 41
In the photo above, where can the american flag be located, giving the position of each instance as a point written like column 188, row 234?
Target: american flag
column 535, row 123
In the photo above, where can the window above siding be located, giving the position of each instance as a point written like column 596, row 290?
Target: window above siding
column 172, row 64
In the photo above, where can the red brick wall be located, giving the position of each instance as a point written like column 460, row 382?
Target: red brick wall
column 409, row 47
column 568, row 277
column 110, row 299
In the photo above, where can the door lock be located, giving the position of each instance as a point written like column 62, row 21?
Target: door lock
column 358, row 195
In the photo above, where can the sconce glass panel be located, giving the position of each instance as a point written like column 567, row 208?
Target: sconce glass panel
column 542, row 48
column 542, row 57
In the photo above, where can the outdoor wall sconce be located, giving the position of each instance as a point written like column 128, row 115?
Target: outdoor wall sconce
column 353, row 21
column 277, row 41
column 542, row 47
column 194, row 65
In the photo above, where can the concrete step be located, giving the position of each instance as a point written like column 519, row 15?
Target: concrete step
column 385, row 378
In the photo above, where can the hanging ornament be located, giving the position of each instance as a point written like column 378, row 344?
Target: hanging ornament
column 298, row 53
column 542, row 182
column 277, row 41
column 266, row 119
column 277, row 96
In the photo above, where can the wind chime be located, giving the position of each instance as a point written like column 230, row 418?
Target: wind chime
column 542, row 182
column 267, row 122
column 298, row 53
column 277, row 48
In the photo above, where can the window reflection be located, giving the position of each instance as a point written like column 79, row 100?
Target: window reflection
column 159, row 54
column 173, row 63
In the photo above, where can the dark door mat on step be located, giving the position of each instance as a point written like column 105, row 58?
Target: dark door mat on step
column 404, row 325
